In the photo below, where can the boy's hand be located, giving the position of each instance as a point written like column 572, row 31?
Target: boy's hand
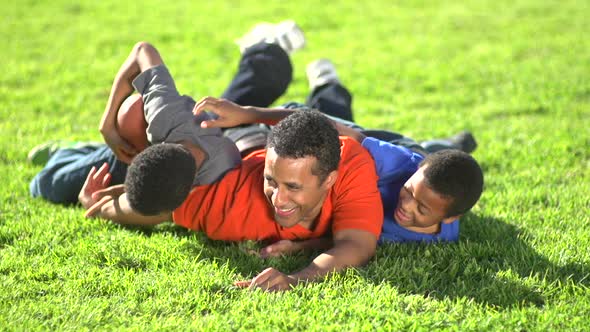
column 103, row 196
column 95, row 181
column 95, row 208
column 229, row 114
column 120, row 147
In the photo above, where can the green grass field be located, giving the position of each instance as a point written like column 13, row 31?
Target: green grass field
column 516, row 73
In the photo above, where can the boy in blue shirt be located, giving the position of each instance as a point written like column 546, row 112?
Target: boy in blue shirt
column 423, row 196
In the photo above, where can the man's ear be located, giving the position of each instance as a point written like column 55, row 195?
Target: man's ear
column 449, row 220
column 330, row 179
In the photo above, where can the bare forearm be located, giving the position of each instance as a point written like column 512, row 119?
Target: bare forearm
column 315, row 244
column 269, row 116
column 342, row 256
column 119, row 211
column 120, row 90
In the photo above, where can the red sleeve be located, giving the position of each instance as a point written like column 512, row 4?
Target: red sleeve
column 356, row 199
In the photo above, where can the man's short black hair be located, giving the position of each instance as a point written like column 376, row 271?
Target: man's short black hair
column 160, row 178
column 454, row 174
column 304, row 134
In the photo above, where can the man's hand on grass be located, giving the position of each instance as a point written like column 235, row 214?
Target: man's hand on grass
column 271, row 280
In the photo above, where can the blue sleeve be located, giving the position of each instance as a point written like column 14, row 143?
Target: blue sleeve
column 392, row 232
column 391, row 161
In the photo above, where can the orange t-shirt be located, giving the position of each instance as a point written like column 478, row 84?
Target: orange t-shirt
column 236, row 209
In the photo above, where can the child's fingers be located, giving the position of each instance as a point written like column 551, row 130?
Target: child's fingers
column 206, row 103
column 90, row 175
column 115, row 191
column 106, row 180
column 94, row 209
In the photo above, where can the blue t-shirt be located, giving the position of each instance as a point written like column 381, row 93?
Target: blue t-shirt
column 395, row 165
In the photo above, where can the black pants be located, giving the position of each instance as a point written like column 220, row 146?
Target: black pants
column 264, row 74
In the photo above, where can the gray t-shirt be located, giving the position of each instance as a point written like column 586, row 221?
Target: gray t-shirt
column 170, row 119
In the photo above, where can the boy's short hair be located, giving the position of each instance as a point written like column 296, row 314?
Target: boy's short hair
column 160, row 178
column 454, row 174
column 307, row 133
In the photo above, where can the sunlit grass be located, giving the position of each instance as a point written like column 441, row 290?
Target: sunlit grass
column 515, row 74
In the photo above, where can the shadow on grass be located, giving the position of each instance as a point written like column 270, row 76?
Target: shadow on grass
column 239, row 256
column 493, row 264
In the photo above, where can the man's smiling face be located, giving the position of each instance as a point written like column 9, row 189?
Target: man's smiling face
column 295, row 193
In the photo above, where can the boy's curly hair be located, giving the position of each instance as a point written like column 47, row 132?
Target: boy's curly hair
column 160, row 178
column 456, row 175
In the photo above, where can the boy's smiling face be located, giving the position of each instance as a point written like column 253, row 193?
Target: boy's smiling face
column 420, row 208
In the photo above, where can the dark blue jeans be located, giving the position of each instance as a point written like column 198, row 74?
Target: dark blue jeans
column 64, row 174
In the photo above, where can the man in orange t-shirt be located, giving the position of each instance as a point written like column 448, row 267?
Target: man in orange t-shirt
column 313, row 184
column 225, row 211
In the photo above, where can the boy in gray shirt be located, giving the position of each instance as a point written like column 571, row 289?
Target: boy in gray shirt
column 170, row 119
column 263, row 75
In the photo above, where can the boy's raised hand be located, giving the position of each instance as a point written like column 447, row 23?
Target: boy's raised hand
column 96, row 191
column 96, row 180
column 229, row 114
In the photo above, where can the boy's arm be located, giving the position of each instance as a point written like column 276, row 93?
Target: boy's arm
column 344, row 130
column 230, row 114
column 142, row 57
column 117, row 209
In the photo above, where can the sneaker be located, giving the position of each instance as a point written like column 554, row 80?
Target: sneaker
column 321, row 72
column 464, row 141
column 287, row 34
column 40, row 154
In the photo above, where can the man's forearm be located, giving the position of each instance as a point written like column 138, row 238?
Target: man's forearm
column 345, row 254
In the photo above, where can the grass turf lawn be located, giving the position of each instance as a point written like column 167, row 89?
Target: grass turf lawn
column 516, row 73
